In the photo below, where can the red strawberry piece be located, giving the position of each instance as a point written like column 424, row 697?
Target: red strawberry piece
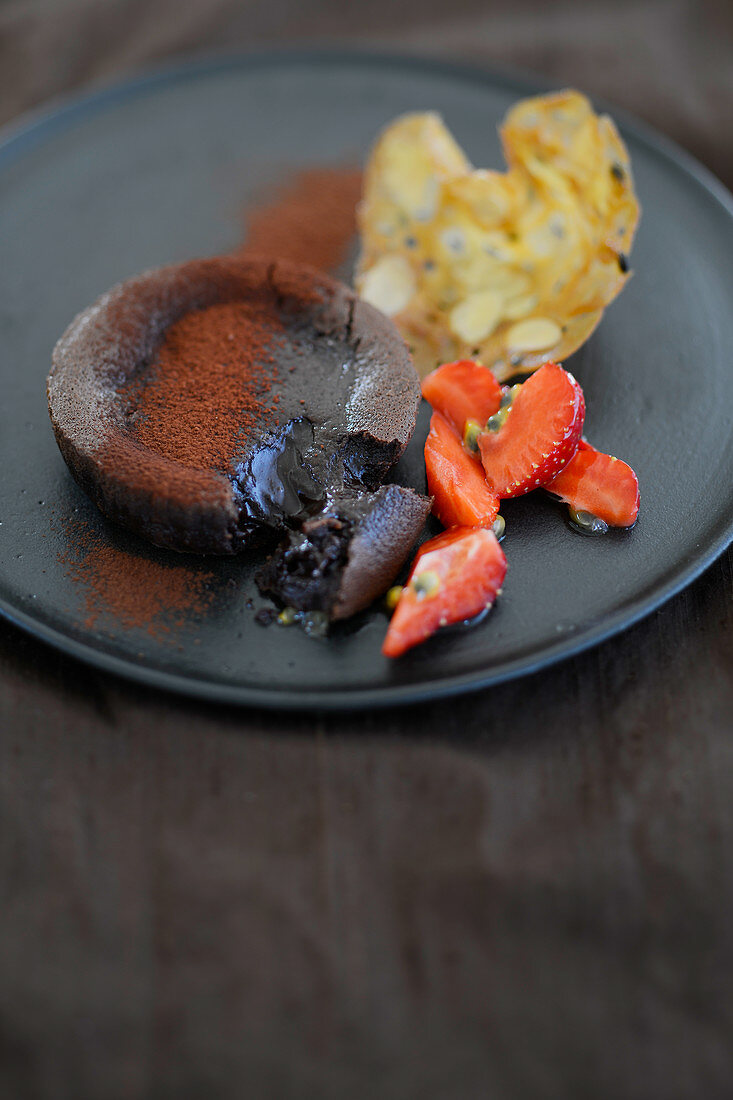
column 461, row 497
column 539, row 435
column 455, row 577
column 462, row 391
column 600, row 484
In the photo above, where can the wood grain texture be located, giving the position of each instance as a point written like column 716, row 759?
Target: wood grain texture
column 525, row 892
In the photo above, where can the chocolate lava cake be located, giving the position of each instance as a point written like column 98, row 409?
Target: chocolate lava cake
column 219, row 404
column 338, row 560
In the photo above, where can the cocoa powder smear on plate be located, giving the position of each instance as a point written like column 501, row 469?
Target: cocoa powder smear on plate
column 140, row 593
column 310, row 219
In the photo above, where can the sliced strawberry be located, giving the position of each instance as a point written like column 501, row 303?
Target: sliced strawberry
column 462, row 391
column 600, row 484
column 461, row 497
column 454, row 577
column 539, row 435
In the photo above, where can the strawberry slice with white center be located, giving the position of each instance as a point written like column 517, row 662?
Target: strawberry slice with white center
column 599, row 484
column 455, row 576
column 538, row 436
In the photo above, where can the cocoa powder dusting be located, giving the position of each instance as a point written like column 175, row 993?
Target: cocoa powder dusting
column 139, row 592
column 311, row 220
column 209, row 384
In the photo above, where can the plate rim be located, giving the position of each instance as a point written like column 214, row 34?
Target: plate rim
column 32, row 127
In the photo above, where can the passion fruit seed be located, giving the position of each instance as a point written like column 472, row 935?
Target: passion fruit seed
column 287, row 616
column 495, row 422
column 509, row 395
column 392, row 596
column 586, row 523
column 471, row 431
column 315, row 623
column 425, row 584
column 499, row 527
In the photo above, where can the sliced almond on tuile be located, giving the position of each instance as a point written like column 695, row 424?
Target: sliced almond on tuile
column 389, row 285
column 476, row 317
column 534, row 334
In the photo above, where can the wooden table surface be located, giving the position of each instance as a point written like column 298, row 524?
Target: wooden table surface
column 526, row 892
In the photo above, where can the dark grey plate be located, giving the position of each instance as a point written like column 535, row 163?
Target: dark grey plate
column 158, row 171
